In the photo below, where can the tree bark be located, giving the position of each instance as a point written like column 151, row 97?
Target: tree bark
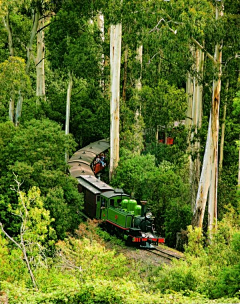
column 115, row 62
column 100, row 22
column 18, row 112
column 6, row 23
column 212, row 206
column 36, row 17
column 223, row 128
column 139, row 56
column 11, row 110
column 40, row 69
column 124, row 95
column 69, row 93
column 209, row 174
column 203, row 187
column 194, row 118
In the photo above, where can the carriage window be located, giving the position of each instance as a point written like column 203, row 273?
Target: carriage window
column 112, row 202
column 119, row 201
column 103, row 202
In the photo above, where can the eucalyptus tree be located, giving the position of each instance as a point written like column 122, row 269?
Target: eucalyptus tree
column 14, row 82
column 73, row 44
column 24, row 24
column 209, row 175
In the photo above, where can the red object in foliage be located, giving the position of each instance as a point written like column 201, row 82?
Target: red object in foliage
column 169, row 141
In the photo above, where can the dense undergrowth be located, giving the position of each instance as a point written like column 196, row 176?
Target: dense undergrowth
column 82, row 270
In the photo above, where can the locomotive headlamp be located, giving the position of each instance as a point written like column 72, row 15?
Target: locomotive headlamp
column 149, row 214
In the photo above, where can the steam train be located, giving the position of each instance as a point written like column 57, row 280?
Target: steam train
column 120, row 214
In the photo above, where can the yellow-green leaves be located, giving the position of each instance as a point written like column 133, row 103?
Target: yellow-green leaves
column 13, row 78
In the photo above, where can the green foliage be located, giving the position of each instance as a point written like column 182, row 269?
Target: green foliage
column 12, row 265
column 35, row 219
column 165, row 191
column 38, row 161
column 13, row 79
column 213, row 270
column 85, row 272
column 168, row 101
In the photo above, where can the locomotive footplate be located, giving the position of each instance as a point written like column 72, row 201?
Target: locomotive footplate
column 145, row 240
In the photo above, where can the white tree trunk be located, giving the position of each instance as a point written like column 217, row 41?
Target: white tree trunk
column 124, row 94
column 194, row 118
column 18, row 109
column 100, row 22
column 69, row 92
column 223, row 127
column 11, row 110
column 222, row 137
column 35, row 16
column 115, row 62
column 210, row 161
column 40, row 85
column 202, row 194
column 189, row 91
column 212, row 206
column 7, row 26
column 139, row 58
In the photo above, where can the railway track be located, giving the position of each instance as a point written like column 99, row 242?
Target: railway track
column 166, row 254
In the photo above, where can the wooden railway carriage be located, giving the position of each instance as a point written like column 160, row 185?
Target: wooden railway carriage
column 121, row 214
column 92, row 188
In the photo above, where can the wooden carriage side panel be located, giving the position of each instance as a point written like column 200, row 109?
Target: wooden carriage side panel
column 90, row 204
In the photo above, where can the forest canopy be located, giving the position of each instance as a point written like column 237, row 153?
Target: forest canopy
column 177, row 97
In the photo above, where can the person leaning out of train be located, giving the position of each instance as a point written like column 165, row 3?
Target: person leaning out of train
column 102, row 160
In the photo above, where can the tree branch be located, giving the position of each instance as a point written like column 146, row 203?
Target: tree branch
column 10, row 238
column 203, row 49
column 40, row 61
column 43, row 27
column 156, row 27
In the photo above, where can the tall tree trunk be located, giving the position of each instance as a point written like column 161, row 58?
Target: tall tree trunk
column 40, row 70
column 139, row 57
column 203, row 187
column 210, row 161
column 18, row 112
column 11, row 110
column 115, row 62
column 36, row 17
column 7, row 26
column 194, row 118
column 100, row 22
column 212, row 206
column 222, row 137
column 223, row 128
column 124, row 95
column 69, row 92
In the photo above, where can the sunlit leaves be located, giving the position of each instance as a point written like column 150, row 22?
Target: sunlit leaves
column 13, row 79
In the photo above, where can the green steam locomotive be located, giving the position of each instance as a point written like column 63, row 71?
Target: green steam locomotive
column 119, row 213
